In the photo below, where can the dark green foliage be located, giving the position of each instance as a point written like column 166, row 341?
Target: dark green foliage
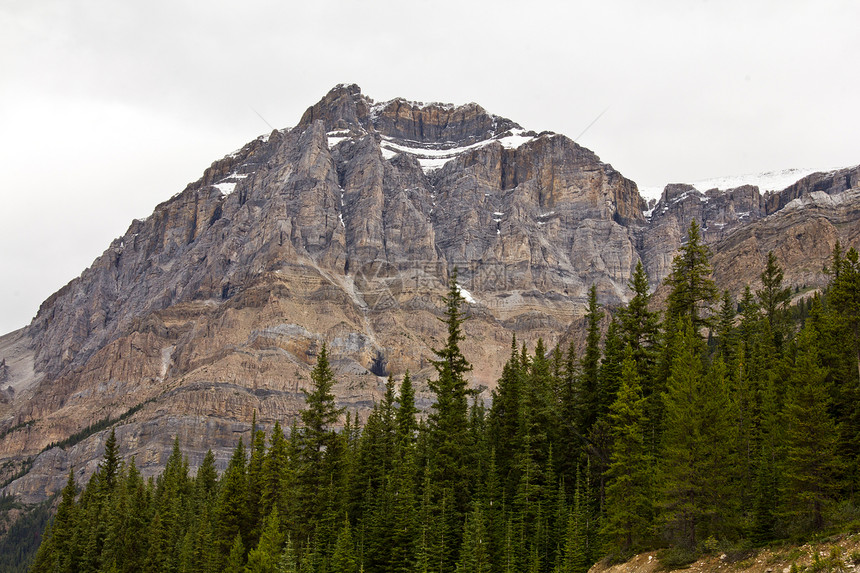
column 773, row 299
column 630, row 503
column 692, row 289
column 654, row 439
column 811, row 460
column 640, row 327
column 590, row 366
column 19, row 545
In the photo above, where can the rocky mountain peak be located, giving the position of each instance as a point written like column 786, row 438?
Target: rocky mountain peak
column 344, row 231
column 345, row 109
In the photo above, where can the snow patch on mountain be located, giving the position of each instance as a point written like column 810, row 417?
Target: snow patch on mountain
column 766, row 181
column 432, row 157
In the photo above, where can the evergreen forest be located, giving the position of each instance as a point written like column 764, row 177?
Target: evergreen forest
column 715, row 425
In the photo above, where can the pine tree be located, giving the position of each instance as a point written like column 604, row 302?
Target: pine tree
column 474, row 553
column 264, row 558
column 774, row 298
column 692, row 290
column 448, row 435
column 590, row 366
column 343, row 560
column 811, row 460
column 629, row 504
column 695, row 443
column 640, row 327
column 316, row 443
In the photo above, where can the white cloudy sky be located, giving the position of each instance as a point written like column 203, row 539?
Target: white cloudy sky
column 108, row 108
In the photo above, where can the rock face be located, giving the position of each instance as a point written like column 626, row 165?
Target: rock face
column 344, row 230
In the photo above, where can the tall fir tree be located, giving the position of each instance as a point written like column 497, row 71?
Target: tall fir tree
column 316, row 448
column 692, row 290
column 590, row 365
column 448, row 428
column 811, row 461
column 698, row 433
column 774, row 298
column 640, row 326
column 629, row 510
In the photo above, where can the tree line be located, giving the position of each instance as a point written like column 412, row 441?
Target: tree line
column 717, row 424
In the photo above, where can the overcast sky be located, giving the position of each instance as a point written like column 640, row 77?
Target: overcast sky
column 109, row 107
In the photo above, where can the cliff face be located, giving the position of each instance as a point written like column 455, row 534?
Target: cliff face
column 344, row 230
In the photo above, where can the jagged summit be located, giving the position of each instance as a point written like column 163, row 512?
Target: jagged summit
column 345, row 108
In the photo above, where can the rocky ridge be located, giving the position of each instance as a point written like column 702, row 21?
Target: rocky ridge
column 344, row 230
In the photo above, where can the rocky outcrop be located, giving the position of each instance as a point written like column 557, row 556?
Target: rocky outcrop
column 344, row 230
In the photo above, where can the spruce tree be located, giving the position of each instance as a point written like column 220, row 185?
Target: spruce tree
column 590, row 365
column 640, row 327
column 474, row 553
column 264, row 558
column 58, row 551
column 692, row 291
column 774, row 298
column 448, row 423
column 343, row 559
column 696, row 441
column 504, row 416
column 811, row 460
column 236, row 558
column 230, row 512
column 628, row 497
column 315, row 447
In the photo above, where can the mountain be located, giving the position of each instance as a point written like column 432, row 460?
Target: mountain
column 344, row 230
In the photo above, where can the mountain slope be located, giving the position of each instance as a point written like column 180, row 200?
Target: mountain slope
column 343, row 230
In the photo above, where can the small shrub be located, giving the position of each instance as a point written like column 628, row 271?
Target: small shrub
column 676, row 558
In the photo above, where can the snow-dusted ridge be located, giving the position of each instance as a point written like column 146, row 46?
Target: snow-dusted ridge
column 768, row 181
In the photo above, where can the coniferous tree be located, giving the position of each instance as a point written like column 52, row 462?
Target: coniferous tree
column 264, row 558
column 774, row 298
column 504, row 417
column 640, row 327
column 590, row 366
column 811, row 458
column 474, row 553
column 315, row 446
column 697, row 430
column 629, row 503
column 692, row 291
column 344, row 560
column 609, row 377
column 230, row 511
column 59, row 552
column 725, row 328
column 448, row 435
column 236, row 558
column 288, row 562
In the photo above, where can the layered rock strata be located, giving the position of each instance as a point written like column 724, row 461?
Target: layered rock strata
column 344, row 230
